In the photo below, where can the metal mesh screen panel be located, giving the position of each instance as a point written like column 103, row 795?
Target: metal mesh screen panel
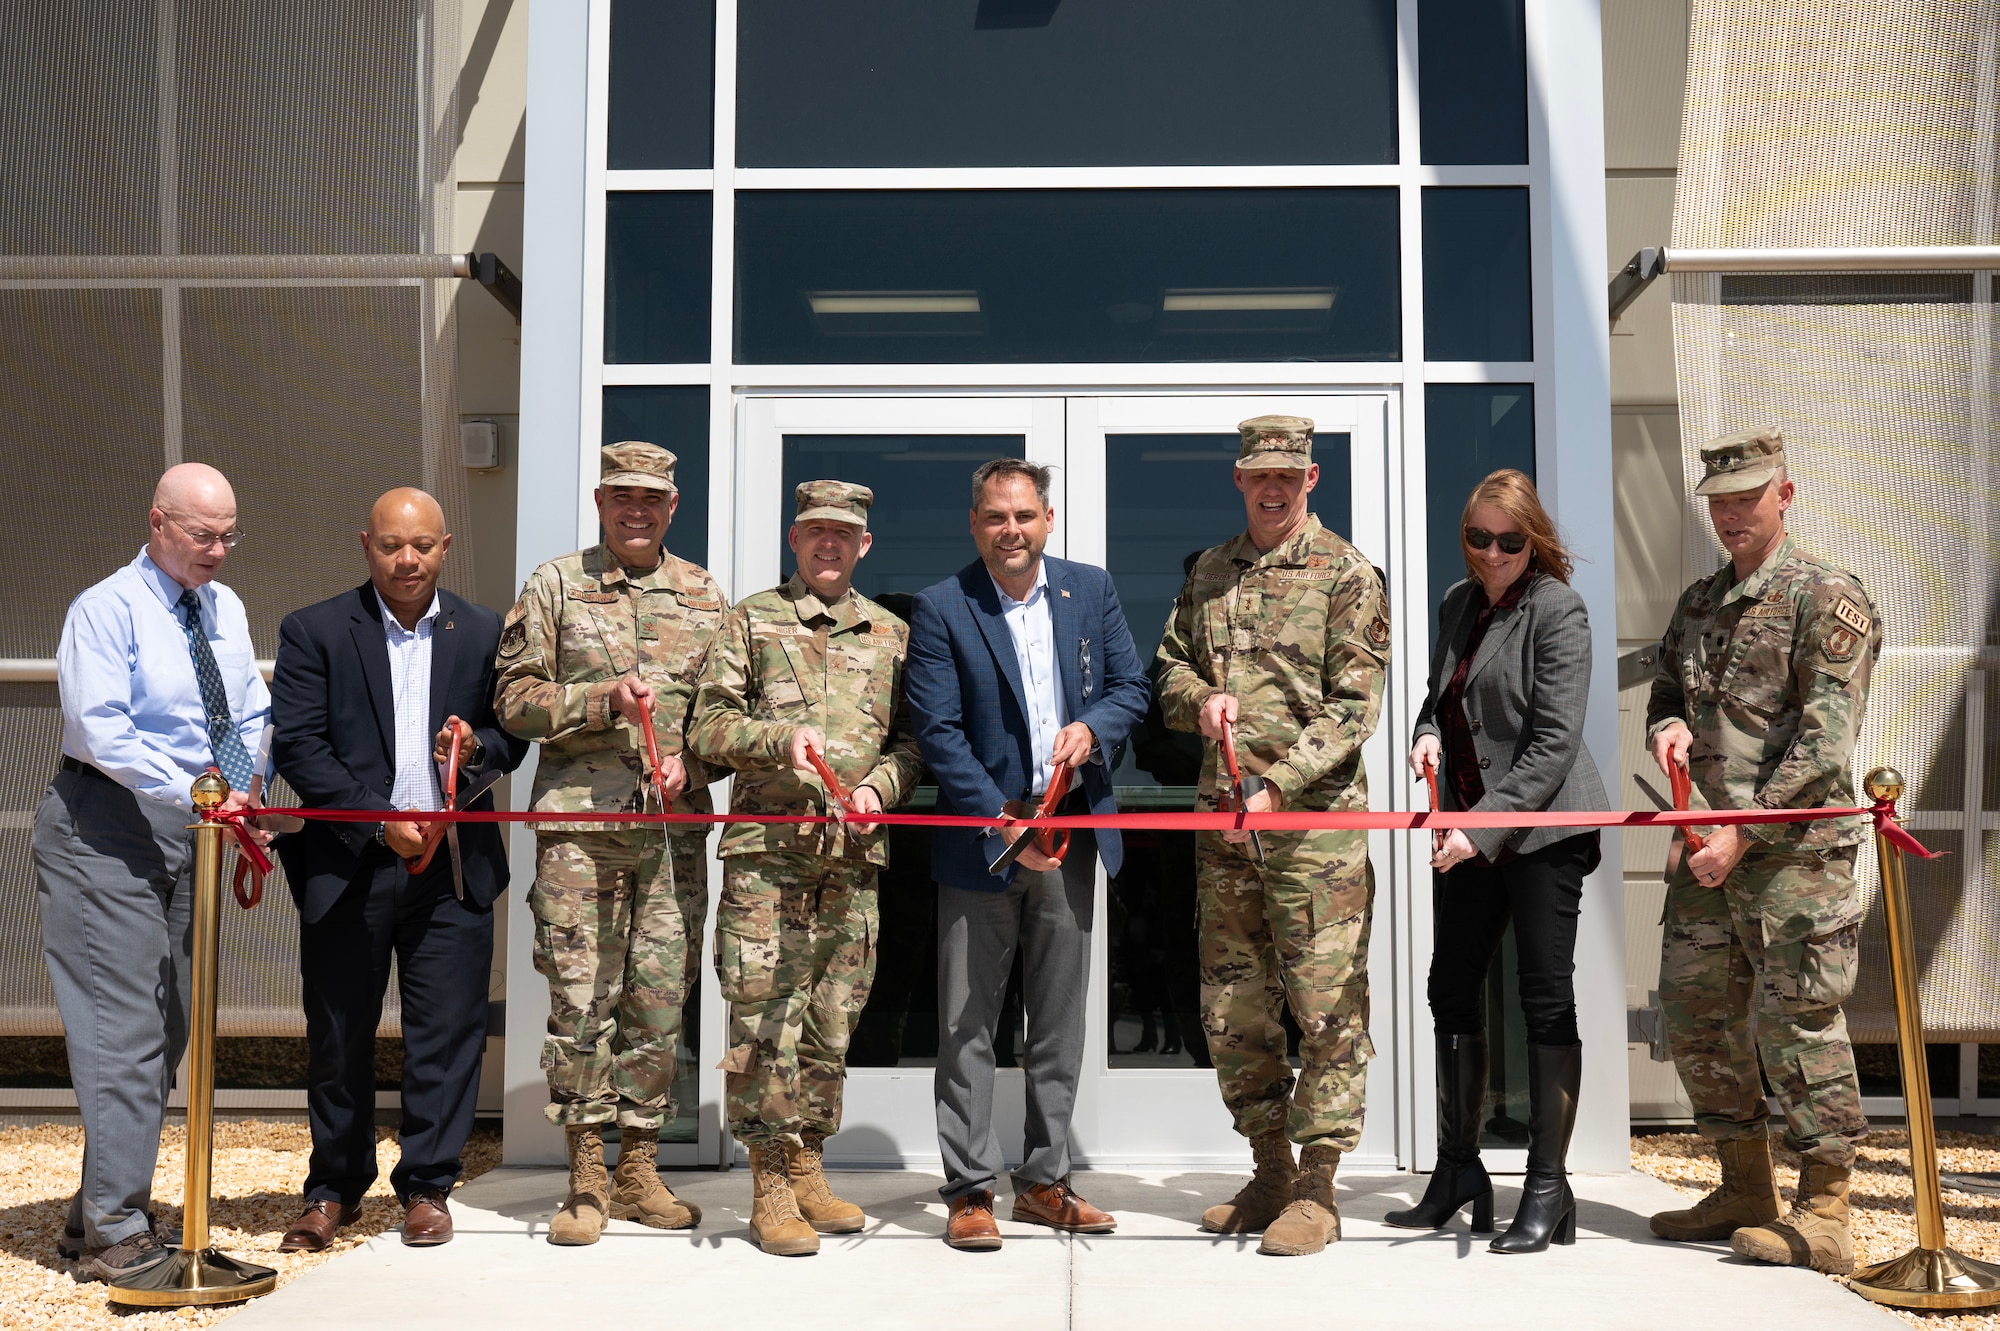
column 1849, row 124
column 222, row 129
column 83, row 414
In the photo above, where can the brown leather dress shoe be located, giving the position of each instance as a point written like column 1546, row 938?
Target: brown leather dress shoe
column 971, row 1225
column 1057, row 1206
column 426, row 1219
column 315, row 1227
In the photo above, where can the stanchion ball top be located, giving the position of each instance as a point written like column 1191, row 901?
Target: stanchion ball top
column 210, row 790
column 1885, row 783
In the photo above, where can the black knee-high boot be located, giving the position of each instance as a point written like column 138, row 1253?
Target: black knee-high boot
column 1548, row 1207
column 1459, row 1177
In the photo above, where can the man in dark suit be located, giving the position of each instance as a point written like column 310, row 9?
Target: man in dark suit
column 368, row 688
column 1017, row 663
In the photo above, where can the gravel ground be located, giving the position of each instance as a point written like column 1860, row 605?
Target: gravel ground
column 259, row 1167
column 1884, row 1224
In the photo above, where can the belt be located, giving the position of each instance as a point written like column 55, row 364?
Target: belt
column 81, row 768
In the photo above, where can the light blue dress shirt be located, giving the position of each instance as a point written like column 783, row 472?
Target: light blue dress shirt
column 410, row 680
column 1031, row 624
column 131, row 706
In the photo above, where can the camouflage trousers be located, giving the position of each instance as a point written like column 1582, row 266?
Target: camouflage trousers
column 1290, row 932
column 795, row 953
column 617, row 935
column 1752, row 976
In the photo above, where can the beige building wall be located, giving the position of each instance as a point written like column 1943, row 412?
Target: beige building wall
column 1645, row 76
column 492, row 93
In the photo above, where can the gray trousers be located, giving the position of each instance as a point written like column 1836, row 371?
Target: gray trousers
column 1047, row 916
column 116, row 891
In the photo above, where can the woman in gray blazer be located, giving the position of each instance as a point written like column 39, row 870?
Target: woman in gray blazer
column 1503, row 729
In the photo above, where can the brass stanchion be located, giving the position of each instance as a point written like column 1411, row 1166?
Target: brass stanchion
column 199, row 1274
column 1930, row 1275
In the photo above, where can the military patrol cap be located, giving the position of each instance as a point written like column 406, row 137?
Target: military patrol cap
column 835, row 501
column 636, row 463
column 1275, row 441
column 1741, row 462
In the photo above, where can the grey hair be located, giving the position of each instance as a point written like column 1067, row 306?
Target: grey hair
column 1010, row 467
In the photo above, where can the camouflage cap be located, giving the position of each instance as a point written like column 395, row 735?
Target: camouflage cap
column 836, row 501
column 634, row 463
column 1741, row 462
column 1275, row 441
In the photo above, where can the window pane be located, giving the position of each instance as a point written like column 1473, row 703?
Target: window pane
column 1477, row 286
column 1470, row 431
column 1472, row 82
column 656, row 283
column 677, row 420
column 662, row 104
column 1041, row 83
column 1170, row 497
column 923, row 493
column 960, row 276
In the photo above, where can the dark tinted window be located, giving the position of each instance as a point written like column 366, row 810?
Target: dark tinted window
column 656, row 278
column 662, row 112
column 1470, row 431
column 1048, row 83
column 676, row 419
column 1472, row 82
column 966, row 276
column 1477, row 287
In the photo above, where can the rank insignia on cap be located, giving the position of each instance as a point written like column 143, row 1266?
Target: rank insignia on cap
column 1853, row 616
column 1840, row 644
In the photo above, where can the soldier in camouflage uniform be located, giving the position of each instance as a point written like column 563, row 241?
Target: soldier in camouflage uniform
column 596, row 638
column 1284, row 631
column 812, row 663
column 1763, row 677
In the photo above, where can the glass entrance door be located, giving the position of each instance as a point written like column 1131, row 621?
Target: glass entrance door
column 1142, row 481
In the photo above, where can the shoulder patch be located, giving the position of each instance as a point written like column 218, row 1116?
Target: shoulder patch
column 514, row 637
column 1853, row 616
column 1839, row 644
column 1378, row 632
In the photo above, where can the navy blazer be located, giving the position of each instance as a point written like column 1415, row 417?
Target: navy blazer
column 971, row 711
column 333, row 710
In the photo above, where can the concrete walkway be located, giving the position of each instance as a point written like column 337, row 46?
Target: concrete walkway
column 1157, row 1272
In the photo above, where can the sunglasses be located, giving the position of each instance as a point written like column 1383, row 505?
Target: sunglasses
column 1511, row 542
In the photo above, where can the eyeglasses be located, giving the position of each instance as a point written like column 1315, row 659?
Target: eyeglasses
column 228, row 540
column 1511, row 542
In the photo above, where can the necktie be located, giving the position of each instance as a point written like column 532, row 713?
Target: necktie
column 231, row 758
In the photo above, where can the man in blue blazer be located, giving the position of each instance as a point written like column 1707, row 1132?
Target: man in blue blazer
column 363, row 686
column 1017, row 663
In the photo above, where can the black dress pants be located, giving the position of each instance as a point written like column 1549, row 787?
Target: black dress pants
column 1542, row 893
column 443, row 951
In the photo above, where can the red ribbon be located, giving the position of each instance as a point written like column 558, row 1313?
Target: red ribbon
column 252, row 864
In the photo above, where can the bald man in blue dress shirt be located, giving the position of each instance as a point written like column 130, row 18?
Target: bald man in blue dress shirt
column 158, row 683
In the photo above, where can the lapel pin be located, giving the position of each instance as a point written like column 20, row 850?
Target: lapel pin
column 447, row 623
column 1064, row 593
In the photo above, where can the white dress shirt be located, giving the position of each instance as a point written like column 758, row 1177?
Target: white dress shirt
column 1032, row 626
column 130, row 702
column 410, row 676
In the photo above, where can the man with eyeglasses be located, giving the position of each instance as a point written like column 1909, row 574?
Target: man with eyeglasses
column 158, row 683
column 1279, row 644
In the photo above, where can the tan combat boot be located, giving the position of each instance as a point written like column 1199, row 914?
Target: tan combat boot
column 1311, row 1220
column 825, row 1212
column 1265, row 1196
column 636, row 1190
column 1815, row 1234
column 775, row 1223
column 1748, row 1195
column 588, row 1205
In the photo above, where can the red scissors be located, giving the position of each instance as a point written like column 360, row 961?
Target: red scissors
column 656, row 780
column 829, row 780
column 1683, row 785
column 1051, row 841
column 1237, row 798
column 447, row 832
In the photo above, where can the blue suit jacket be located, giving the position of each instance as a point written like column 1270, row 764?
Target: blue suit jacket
column 970, row 709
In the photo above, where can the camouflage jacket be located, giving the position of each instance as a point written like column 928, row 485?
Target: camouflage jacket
column 1771, row 676
column 1300, row 636
column 785, row 659
column 581, row 624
